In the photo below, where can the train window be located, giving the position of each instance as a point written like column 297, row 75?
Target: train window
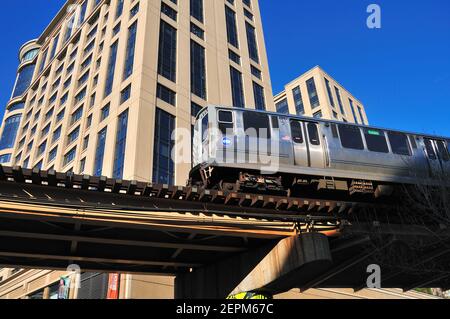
column 275, row 123
column 205, row 127
column 296, row 130
column 313, row 133
column 430, row 150
column 376, row 141
column 334, row 130
column 351, row 137
column 226, row 122
column 225, row 116
column 412, row 139
column 256, row 123
column 443, row 152
column 399, row 143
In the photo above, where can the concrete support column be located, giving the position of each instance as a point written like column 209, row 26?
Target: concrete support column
column 269, row 270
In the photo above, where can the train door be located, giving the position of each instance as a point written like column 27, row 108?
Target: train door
column 308, row 150
column 438, row 156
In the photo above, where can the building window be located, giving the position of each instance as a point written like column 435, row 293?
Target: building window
column 341, row 106
column 166, row 94
column 125, row 94
column 73, row 136
column 231, row 27
column 43, row 61
column 70, row 157
column 312, row 91
column 197, row 9
column 16, row 106
column 52, row 154
column 23, row 80
column 119, row 9
column 282, row 106
column 111, row 69
column 363, row 121
column 167, row 51
column 198, row 70
column 168, row 11
column 330, row 94
column 5, row 158
column 9, row 134
column 353, row 110
column 100, row 152
column 260, row 100
column 252, row 43
column 163, row 165
column 131, row 44
column 56, row 134
column 197, row 31
column 121, row 139
column 298, row 101
column 237, row 88
column 234, row 57
column 104, row 112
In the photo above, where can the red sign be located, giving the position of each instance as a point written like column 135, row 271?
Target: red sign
column 113, row 286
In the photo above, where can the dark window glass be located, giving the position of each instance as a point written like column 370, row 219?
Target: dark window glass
column 351, row 137
column 443, row 152
column 168, row 11
column 197, row 31
column 298, row 101
column 237, row 89
column 163, row 165
column 111, row 69
column 167, row 62
column 430, row 149
column 23, row 80
column 166, row 94
column 100, row 152
column 131, row 43
column 205, row 127
column 313, row 133
column 312, row 91
column 197, row 9
column 352, row 108
column 9, row 134
column 231, row 27
column 225, row 116
column 275, row 122
column 198, row 70
column 252, row 43
column 297, row 133
column 283, row 107
column 399, row 143
column 258, row 122
column 330, row 94
column 121, row 140
column 341, row 106
column 376, row 141
column 412, row 139
column 195, row 109
column 260, row 100
column 226, row 122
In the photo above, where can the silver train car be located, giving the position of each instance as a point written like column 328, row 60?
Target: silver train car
column 233, row 149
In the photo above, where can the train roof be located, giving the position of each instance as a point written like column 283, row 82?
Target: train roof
column 322, row 120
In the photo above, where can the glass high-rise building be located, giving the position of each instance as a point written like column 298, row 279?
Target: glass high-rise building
column 99, row 90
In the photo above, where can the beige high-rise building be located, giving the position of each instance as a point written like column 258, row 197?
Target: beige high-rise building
column 102, row 88
column 316, row 94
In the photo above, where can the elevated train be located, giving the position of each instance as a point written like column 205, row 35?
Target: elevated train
column 311, row 154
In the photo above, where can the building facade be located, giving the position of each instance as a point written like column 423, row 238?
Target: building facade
column 317, row 94
column 46, row 284
column 102, row 88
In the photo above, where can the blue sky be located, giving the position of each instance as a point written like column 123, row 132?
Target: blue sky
column 400, row 72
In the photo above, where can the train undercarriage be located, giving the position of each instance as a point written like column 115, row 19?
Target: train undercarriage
column 288, row 185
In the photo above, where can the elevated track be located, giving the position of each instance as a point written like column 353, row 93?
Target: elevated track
column 51, row 220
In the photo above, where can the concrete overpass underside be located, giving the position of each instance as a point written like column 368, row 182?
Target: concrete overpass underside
column 215, row 244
